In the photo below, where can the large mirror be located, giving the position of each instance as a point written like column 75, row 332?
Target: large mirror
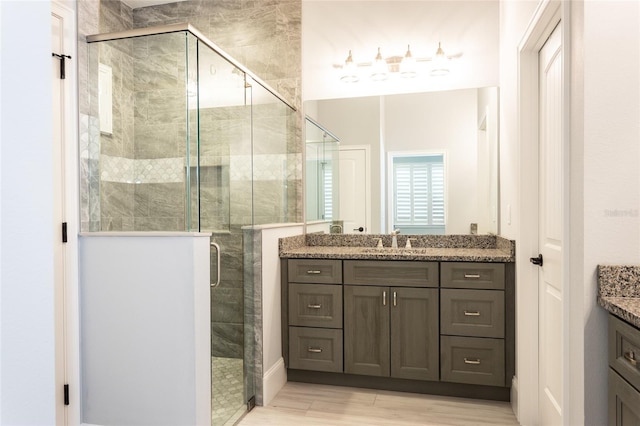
column 424, row 163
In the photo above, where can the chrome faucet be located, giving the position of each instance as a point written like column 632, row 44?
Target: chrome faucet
column 394, row 238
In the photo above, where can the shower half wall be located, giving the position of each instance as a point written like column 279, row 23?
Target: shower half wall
column 182, row 138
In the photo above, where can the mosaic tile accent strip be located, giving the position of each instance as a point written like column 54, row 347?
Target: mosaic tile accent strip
column 267, row 167
column 127, row 170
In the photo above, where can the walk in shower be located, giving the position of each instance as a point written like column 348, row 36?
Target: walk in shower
column 184, row 138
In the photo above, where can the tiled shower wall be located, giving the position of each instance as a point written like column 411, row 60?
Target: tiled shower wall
column 133, row 179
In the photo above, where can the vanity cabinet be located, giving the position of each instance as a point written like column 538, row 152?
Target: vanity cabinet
column 624, row 373
column 419, row 326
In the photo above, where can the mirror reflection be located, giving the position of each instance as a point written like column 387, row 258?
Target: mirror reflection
column 423, row 163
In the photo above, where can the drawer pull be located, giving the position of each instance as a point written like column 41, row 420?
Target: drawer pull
column 384, row 298
column 474, row 276
column 471, row 314
column 314, row 272
column 314, row 350
column 631, row 357
column 318, row 306
column 395, row 298
column 472, row 361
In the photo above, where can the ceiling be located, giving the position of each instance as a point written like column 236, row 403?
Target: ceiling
column 331, row 28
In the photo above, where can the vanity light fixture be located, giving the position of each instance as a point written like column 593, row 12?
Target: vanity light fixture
column 406, row 66
column 440, row 63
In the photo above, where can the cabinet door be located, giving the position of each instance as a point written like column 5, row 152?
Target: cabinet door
column 366, row 330
column 624, row 402
column 415, row 340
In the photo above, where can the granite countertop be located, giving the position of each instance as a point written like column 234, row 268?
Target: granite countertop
column 619, row 291
column 429, row 248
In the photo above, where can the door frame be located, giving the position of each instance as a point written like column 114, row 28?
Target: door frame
column 525, row 387
column 69, row 337
column 367, row 172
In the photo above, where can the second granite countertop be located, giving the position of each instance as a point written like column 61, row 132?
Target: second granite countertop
column 619, row 291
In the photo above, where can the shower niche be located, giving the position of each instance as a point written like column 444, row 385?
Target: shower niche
column 183, row 138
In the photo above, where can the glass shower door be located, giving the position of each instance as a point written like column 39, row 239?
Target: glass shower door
column 224, row 208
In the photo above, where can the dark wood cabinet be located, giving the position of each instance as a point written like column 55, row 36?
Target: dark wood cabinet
column 415, row 336
column 624, row 373
column 420, row 326
column 366, row 330
column 391, row 332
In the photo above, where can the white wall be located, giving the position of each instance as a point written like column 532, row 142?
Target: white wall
column 331, row 28
column 611, row 170
column 145, row 335
column 26, row 205
column 275, row 375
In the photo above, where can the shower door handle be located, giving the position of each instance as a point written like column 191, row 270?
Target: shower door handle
column 217, row 247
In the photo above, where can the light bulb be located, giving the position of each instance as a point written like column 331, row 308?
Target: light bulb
column 379, row 72
column 408, row 65
column 440, row 63
column 350, row 72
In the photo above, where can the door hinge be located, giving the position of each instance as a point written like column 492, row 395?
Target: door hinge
column 62, row 59
column 64, row 232
column 66, row 394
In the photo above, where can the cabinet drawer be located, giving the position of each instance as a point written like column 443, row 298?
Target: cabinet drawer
column 472, row 360
column 472, row 275
column 315, row 271
column 624, row 402
column 624, row 350
column 391, row 273
column 316, row 349
column 478, row 313
column 315, row 305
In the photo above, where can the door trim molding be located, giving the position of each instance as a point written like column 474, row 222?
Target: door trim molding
column 71, row 336
column 546, row 17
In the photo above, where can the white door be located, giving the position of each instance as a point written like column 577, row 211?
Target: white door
column 550, row 204
column 354, row 190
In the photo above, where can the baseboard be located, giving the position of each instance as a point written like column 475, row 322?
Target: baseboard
column 273, row 380
column 514, row 396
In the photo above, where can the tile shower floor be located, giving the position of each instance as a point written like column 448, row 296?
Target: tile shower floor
column 227, row 391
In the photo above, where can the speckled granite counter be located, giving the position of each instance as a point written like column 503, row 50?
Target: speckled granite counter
column 454, row 248
column 619, row 291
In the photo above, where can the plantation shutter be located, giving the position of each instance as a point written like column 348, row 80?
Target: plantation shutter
column 418, row 185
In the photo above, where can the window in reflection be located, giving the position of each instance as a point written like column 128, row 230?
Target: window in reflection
column 418, row 194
